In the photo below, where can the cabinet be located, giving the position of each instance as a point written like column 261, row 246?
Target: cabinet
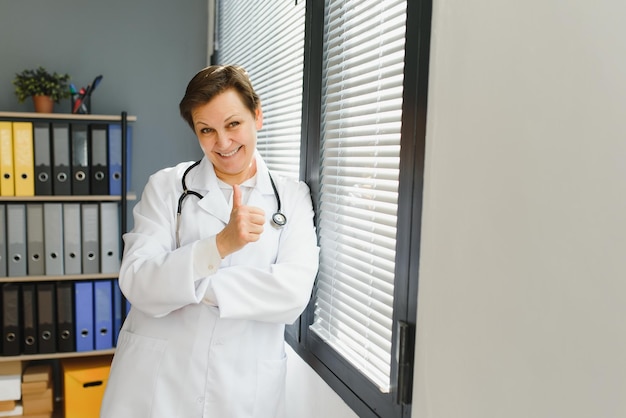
column 33, row 222
column 61, row 220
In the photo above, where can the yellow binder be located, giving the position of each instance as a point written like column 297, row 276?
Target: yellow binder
column 6, row 159
column 23, row 159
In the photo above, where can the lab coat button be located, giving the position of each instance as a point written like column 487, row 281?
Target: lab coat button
column 210, row 266
column 200, row 400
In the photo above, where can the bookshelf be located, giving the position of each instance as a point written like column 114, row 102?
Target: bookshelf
column 118, row 199
column 8, row 277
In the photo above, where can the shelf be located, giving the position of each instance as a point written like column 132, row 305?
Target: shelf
column 123, row 120
column 53, row 278
column 64, row 116
column 68, row 198
column 47, row 356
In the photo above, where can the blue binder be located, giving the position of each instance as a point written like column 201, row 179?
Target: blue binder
column 84, row 320
column 103, row 314
column 118, row 311
column 115, row 157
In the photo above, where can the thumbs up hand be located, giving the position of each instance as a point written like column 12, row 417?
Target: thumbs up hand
column 245, row 226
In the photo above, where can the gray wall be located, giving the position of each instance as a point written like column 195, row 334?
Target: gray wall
column 522, row 299
column 146, row 50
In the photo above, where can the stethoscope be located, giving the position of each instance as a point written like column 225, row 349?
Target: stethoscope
column 278, row 218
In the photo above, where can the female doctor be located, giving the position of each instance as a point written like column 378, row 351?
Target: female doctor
column 221, row 257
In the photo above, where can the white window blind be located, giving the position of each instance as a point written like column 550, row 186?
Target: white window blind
column 362, row 82
column 273, row 55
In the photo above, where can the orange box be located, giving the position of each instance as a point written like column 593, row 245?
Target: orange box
column 84, row 380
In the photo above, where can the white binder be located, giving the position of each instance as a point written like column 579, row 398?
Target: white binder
column 53, row 237
column 16, row 240
column 35, row 243
column 72, row 238
column 90, row 238
column 109, row 237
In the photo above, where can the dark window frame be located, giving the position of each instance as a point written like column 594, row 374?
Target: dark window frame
column 358, row 393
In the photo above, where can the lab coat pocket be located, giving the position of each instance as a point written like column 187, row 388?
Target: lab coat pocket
column 133, row 378
column 270, row 392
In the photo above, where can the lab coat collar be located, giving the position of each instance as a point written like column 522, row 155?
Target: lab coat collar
column 204, row 180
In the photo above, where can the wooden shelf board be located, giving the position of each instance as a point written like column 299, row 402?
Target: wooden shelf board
column 48, row 356
column 68, row 198
column 64, row 116
column 75, row 277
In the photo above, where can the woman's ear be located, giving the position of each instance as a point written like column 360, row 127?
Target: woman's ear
column 259, row 117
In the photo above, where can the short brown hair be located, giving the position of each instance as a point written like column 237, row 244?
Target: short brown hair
column 213, row 80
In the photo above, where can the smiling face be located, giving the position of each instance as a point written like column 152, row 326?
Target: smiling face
column 226, row 130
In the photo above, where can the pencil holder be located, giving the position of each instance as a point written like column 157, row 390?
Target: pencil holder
column 81, row 104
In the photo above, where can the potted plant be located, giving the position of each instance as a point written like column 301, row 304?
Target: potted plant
column 42, row 86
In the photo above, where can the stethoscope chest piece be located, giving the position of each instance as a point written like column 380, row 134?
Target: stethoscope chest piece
column 279, row 220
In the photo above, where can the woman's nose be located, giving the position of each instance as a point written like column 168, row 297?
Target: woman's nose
column 222, row 139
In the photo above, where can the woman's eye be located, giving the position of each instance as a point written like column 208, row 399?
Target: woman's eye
column 233, row 124
column 206, row 131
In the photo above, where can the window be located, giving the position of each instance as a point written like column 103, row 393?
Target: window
column 273, row 55
column 362, row 78
column 361, row 74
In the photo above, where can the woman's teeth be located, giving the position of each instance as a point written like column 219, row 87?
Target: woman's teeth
column 230, row 154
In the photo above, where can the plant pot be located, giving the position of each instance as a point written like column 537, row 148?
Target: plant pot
column 43, row 104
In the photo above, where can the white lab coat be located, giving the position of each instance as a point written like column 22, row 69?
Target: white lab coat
column 204, row 337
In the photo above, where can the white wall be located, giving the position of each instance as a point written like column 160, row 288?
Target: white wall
column 308, row 396
column 522, row 298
